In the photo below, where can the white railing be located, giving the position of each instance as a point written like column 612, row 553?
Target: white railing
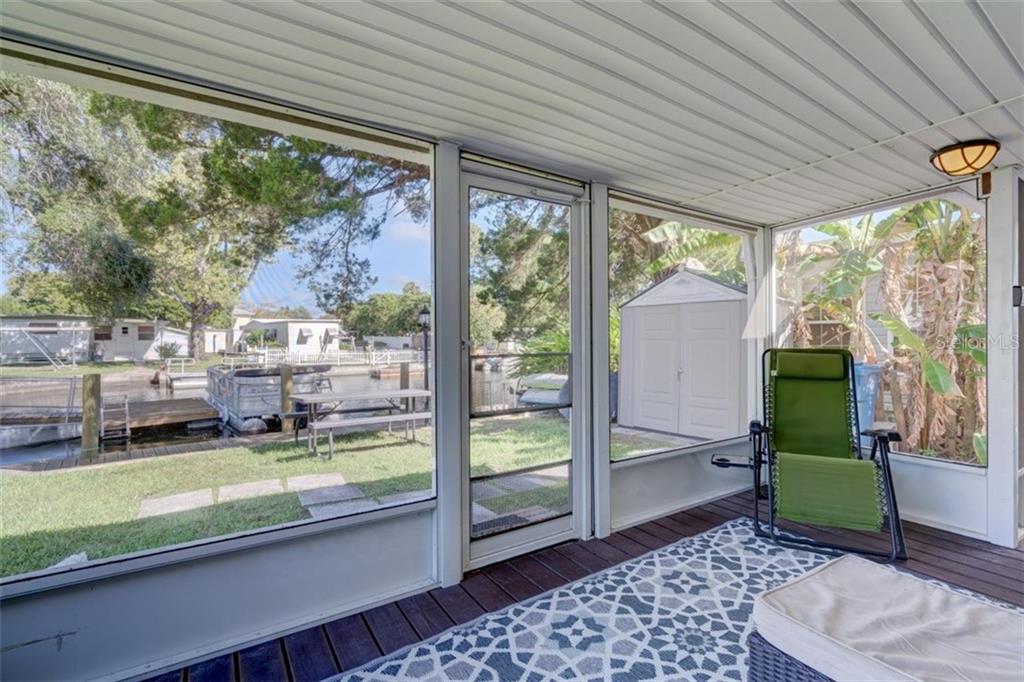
column 179, row 364
column 271, row 357
column 29, row 397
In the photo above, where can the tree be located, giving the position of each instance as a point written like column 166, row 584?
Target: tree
column 485, row 321
column 388, row 314
column 519, row 262
column 717, row 253
column 206, row 200
column 929, row 261
column 60, row 172
column 248, row 192
column 935, row 377
column 41, row 293
column 284, row 312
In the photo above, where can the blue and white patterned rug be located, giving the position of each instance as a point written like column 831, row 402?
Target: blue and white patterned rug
column 678, row 613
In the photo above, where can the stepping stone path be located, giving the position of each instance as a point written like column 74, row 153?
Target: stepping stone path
column 326, row 511
column 499, row 486
column 328, row 495
column 482, row 490
column 323, row 496
column 156, row 506
column 404, row 498
column 331, row 493
column 242, row 491
column 312, row 481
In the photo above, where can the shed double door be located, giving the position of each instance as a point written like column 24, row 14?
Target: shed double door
column 688, row 370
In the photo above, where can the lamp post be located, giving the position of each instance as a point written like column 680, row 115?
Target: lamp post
column 424, row 319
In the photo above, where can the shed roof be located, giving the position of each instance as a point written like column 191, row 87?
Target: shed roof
column 687, row 286
column 44, row 316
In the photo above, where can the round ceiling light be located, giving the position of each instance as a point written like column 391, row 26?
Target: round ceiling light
column 965, row 158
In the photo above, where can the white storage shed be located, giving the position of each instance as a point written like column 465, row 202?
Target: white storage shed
column 124, row 340
column 298, row 336
column 681, row 365
column 40, row 338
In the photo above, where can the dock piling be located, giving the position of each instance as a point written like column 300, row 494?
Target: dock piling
column 403, row 382
column 287, row 422
column 92, row 401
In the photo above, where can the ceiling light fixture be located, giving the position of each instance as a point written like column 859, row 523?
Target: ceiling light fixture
column 965, row 158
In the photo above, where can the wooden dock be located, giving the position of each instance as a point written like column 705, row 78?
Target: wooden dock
column 150, row 413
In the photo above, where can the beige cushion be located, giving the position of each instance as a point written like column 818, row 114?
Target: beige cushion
column 853, row 619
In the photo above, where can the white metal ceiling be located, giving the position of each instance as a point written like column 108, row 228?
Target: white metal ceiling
column 768, row 112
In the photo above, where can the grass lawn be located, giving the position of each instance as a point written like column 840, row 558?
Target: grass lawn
column 105, row 368
column 48, row 516
column 554, row 497
column 47, row 371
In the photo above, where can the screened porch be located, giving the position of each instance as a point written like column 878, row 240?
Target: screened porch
column 502, row 340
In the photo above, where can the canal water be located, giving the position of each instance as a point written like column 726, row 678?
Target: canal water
column 491, row 387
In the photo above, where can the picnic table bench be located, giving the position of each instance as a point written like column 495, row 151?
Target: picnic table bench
column 319, row 419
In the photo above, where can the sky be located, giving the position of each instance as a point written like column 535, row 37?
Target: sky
column 400, row 255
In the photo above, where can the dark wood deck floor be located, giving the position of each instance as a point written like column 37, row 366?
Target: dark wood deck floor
column 349, row 642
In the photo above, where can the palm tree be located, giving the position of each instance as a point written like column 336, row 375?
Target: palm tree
column 929, row 260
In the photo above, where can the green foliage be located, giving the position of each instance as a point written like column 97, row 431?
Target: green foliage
column 980, row 443
column 36, row 292
column 117, row 275
column 555, row 341
column 257, row 338
column 928, row 260
column 166, row 351
column 614, row 336
column 285, row 312
column 970, row 341
column 720, row 253
column 519, row 262
column 935, row 373
column 485, row 322
column 388, row 314
column 205, row 200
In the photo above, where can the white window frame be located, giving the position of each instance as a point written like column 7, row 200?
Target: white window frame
column 242, row 108
column 750, row 234
column 1004, row 475
column 578, row 524
column 969, row 185
column 604, row 200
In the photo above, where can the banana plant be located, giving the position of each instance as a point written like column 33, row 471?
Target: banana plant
column 970, row 341
column 718, row 251
column 935, row 373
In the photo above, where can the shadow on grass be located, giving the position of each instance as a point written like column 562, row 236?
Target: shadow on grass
column 40, row 549
column 554, row 498
column 379, row 466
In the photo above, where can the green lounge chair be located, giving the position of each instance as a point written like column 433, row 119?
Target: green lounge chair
column 809, row 443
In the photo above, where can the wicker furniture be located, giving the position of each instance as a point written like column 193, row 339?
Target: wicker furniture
column 854, row 619
column 769, row 664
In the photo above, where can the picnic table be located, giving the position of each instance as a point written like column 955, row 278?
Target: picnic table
column 322, row 411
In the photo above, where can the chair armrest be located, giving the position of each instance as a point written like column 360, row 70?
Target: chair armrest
column 731, row 461
column 883, row 431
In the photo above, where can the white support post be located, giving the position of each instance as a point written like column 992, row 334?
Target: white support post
column 448, row 371
column 1004, row 409
column 601, row 452
column 585, row 418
